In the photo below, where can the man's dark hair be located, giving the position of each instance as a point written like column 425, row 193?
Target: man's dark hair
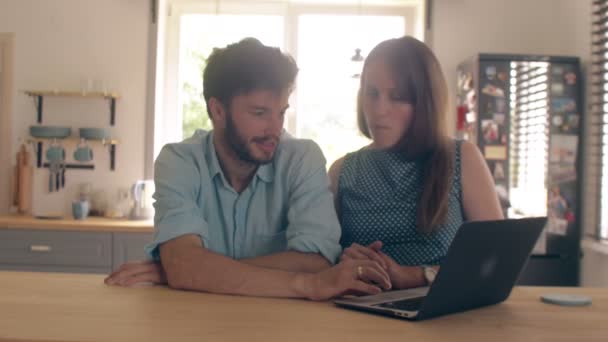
column 246, row 66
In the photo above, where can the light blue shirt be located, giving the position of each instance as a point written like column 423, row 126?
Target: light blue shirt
column 287, row 205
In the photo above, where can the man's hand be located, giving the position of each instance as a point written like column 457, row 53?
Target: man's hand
column 136, row 272
column 349, row 277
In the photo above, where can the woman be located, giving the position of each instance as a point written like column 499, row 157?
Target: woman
column 401, row 199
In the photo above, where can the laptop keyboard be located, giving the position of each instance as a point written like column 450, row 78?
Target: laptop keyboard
column 410, row 304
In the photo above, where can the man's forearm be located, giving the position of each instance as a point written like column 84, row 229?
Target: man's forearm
column 291, row 261
column 198, row 269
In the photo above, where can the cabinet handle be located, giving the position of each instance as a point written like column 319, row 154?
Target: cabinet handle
column 40, row 248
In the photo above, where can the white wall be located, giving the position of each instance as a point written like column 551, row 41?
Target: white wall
column 595, row 264
column 59, row 43
column 463, row 28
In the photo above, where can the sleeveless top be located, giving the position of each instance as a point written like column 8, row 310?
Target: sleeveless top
column 378, row 192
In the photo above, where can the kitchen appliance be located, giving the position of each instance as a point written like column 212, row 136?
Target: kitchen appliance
column 142, row 192
column 525, row 113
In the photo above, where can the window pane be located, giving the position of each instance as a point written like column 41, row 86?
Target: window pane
column 529, row 139
column 327, row 90
column 199, row 34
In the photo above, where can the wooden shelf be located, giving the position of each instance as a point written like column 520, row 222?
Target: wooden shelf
column 104, row 142
column 98, row 94
column 39, row 96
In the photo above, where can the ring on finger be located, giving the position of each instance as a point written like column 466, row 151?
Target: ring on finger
column 359, row 271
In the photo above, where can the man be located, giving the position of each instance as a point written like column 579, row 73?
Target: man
column 246, row 209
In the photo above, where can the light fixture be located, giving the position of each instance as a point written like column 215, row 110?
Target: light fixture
column 356, row 64
column 357, row 57
column 356, row 61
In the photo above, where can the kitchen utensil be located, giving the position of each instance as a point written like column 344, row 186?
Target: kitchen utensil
column 22, row 181
column 55, row 154
column 142, row 192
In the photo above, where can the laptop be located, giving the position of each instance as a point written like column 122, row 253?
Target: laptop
column 482, row 264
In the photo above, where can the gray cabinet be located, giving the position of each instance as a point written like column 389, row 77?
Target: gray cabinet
column 129, row 247
column 69, row 251
column 55, row 251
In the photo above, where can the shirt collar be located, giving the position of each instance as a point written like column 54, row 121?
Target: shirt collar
column 265, row 172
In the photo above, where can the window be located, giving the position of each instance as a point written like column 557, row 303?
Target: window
column 529, row 100
column 327, row 84
column 598, row 118
column 323, row 104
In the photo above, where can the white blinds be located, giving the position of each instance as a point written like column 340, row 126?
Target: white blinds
column 529, row 137
column 597, row 127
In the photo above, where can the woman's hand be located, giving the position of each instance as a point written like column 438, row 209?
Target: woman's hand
column 370, row 252
column 401, row 277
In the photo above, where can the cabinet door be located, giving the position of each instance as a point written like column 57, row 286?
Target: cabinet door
column 129, row 247
column 61, row 251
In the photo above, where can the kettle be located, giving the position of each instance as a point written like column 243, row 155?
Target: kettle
column 142, row 192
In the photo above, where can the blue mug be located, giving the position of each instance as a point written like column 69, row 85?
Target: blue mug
column 80, row 210
column 55, row 153
column 83, row 152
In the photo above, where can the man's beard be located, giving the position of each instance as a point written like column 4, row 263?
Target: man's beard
column 239, row 144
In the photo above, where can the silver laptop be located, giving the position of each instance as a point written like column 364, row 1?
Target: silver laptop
column 480, row 268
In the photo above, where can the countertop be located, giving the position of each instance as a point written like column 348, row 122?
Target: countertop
column 97, row 224
column 78, row 307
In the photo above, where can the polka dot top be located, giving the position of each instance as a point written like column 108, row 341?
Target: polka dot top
column 377, row 196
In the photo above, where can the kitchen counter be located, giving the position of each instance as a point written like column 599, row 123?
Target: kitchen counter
column 96, row 224
column 71, row 307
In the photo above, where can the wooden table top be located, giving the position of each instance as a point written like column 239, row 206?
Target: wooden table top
column 77, row 307
column 97, row 224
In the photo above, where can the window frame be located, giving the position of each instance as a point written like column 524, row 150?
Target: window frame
column 163, row 126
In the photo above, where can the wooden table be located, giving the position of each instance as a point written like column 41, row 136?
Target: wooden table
column 74, row 307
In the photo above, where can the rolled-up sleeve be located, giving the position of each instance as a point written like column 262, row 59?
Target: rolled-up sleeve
column 313, row 224
column 177, row 183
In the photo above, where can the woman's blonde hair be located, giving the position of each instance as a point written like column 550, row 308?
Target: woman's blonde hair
column 419, row 78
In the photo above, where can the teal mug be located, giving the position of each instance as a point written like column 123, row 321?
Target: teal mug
column 55, row 153
column 80, row 209
column 83, row 152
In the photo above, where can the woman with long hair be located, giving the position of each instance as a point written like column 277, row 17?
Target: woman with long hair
column 401, row 199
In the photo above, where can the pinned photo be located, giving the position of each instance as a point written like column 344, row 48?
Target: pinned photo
column 490, row 132
column 570, row 78
column 573, row 123
column 559, row 211
column 495, row 152
column 561, row 173
column 557, row 89
column 501, row 105
column 499, row 118
column 499, row 171
column 557, row 70
column 557, row 226
column 562, row 105
column 557, row 120
column 503, row 76
column 491, row 72
column 563, row 149
column 492, row 90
